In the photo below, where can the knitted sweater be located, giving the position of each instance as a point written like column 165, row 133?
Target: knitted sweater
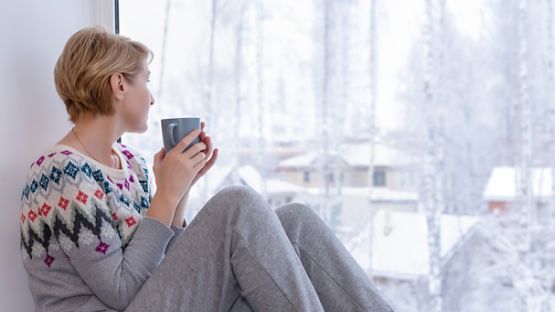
column 85, row 242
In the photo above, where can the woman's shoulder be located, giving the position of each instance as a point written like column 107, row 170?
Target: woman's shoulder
column 132, row 154
column 58, row 162
column 50, row 156
column 49, row 167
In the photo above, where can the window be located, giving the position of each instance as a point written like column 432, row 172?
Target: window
column 379, row 177
column 431, row 88
column 306, row 176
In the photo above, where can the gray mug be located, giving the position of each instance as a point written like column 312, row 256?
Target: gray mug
column 175, row 129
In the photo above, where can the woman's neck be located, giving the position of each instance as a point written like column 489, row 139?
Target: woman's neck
column 95, row 137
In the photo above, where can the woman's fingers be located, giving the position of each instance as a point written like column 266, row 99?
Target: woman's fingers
column 198, row 158
column 183, row 143
column 210, row 155
column 159, row 156
column 202, row 132
column 209, row 146
column 206, row 165
column 194, row 150
column 209, row 163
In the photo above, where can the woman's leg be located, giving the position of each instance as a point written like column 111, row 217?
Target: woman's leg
column 234, row 247
column 340, row 282
column 240, row 305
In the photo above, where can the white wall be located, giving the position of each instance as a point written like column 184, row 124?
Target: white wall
column 32, row 34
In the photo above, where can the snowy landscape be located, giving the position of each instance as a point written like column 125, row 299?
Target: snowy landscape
column 422, row 132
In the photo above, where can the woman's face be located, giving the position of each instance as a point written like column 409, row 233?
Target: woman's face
column 137, row 101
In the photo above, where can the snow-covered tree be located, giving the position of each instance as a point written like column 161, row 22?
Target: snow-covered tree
column 432, row 192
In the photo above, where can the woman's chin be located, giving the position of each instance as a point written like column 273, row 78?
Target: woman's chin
column 143, row 128
column 139, row 129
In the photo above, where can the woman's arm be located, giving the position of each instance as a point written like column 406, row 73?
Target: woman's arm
column 179, row 216
column 161, row 209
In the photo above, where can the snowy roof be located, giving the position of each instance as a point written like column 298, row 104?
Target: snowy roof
column 378, row 193
column 502, row 183
column 254, row 179
column 248, row 175
column 217, row 175
column 400, row 242
column 353, row 155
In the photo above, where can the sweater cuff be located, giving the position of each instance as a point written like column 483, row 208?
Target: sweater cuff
column 182, row 227
column 154, row 230
column 177, row 231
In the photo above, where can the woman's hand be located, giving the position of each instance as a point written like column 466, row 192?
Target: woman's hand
column 211, row 154
column 175, row 171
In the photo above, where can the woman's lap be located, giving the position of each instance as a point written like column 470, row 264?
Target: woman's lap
column 236, row 238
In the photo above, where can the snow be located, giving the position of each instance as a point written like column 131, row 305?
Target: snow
column 354, row 155
column 377, row 194
column 253, row 178
column 248, row 175
column 501, row 184
column 400, row 243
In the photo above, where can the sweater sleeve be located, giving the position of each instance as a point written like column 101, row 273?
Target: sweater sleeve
column 177, row 231
column 80, row 220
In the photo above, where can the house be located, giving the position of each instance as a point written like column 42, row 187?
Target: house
column 391, row 167
column 393, row 182
column 400, row 248
column 501, row 194
column 355, row 206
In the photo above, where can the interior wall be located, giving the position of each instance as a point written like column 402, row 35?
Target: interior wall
column 32, row 117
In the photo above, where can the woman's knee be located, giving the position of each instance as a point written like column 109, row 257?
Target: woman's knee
column 241, row 198
column 294, row 213
column 238, row 193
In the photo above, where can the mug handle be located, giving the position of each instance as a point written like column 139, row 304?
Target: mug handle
column 171, row 127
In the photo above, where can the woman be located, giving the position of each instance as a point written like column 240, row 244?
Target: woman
column 96, row 238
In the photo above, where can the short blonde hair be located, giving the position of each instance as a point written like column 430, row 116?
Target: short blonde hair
column 83, row 70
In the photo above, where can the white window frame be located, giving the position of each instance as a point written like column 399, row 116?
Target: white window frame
column 103, row 13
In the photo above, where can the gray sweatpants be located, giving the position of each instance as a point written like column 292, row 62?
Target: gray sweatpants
column 238, row 254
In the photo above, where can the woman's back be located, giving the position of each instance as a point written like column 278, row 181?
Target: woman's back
column 78, row 217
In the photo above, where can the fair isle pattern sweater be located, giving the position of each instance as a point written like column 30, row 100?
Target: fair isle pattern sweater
column 85, row 242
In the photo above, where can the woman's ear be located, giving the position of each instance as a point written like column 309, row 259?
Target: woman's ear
column 117, row 82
